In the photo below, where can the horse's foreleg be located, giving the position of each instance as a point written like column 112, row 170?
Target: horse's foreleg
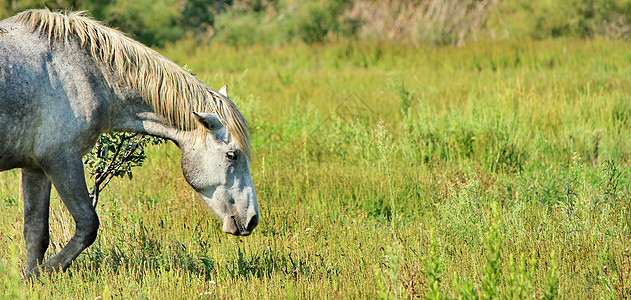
column 36, row 194
column 68, row 178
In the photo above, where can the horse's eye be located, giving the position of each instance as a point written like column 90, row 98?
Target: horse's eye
column 231, row 155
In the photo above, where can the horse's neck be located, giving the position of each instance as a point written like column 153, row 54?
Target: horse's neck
column 137, row 116
column 130, row 113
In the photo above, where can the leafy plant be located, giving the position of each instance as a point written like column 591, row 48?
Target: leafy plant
column 552, row 280
column 433, row 269
column 521, row 277
column 114, row 156
column 492, row 269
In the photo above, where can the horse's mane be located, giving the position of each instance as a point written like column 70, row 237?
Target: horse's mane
column 173, row 92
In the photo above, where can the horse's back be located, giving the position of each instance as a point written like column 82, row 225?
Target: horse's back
column 46, row 97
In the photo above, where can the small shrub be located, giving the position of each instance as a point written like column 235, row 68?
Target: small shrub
column 114, row 155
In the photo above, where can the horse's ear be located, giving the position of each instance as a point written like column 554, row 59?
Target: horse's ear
column 210, row 121
column 224, row 91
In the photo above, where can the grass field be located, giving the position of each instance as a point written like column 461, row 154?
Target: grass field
column 496, row 170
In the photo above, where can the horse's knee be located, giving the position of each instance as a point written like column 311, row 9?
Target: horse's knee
column 39, row 238
column 88, row 228
column 37, row 231
column 93, row 230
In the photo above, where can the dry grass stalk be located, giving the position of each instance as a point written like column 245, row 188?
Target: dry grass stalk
column 422, row 21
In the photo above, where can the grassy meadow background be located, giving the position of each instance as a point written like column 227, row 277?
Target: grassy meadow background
column 498, row 169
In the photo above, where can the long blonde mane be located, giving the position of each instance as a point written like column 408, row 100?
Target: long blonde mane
column 173, row 92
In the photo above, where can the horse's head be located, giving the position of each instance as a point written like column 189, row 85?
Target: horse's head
column 220, row 173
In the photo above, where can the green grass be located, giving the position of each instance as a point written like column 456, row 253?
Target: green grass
column 493, row 170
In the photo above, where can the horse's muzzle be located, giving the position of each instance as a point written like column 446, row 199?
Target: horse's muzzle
column 235, row 226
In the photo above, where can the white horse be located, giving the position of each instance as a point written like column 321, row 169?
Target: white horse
column 66, row 79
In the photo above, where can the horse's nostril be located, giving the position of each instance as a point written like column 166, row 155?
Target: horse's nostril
column 254, row 220
column 230, row 226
